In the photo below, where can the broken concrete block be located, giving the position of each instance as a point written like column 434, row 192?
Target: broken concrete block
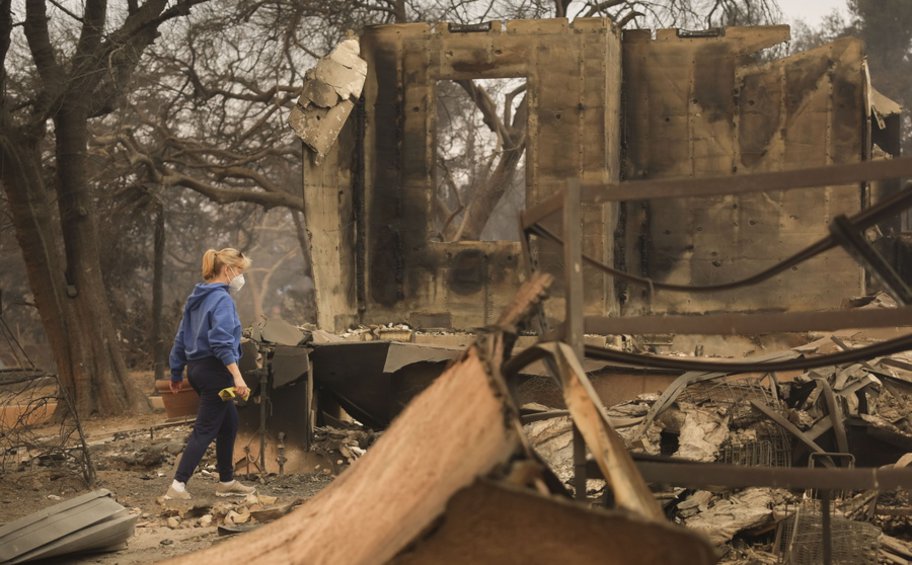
column 343, row 69
column 174, row 522
column 327, row 97
column 320, row 94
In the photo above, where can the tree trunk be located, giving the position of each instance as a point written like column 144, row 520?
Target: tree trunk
column 66, row 279
column 158, row 278
column 489, row 194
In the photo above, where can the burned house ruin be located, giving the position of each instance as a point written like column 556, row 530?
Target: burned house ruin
column 604, row 106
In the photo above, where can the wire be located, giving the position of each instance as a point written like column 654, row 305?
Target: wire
column 863, row 220
column 903, row 343
column 889, row 347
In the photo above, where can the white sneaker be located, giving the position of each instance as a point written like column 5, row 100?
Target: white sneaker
column 234, row 488
column 174, row 494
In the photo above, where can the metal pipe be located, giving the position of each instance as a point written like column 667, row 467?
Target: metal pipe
column 827, row 527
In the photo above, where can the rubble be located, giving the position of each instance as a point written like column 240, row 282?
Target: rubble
column 455, row 449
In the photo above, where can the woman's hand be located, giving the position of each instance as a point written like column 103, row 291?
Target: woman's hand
column 240, row 388
column 176, row 386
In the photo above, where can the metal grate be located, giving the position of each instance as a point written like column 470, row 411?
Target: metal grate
column 734, row 397
column 800, row 538
column 763, row 443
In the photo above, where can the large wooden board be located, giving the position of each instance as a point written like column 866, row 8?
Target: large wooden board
column 496, row 523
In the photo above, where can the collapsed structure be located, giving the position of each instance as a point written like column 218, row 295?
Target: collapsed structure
column 603, row 105
column 624, row 132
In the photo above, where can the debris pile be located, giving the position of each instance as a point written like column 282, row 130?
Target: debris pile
column 38, row 425
column 343, row 445
column 229, row 515
column 841, row 416
column 453, row 467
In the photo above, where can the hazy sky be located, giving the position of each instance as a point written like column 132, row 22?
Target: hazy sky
column 811, row 11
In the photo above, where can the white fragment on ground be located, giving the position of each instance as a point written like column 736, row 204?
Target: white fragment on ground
column 702, row 434
column 552, row 439
column 748, row 509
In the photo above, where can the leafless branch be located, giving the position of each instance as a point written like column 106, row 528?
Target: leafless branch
column 600, row 7
column 66, row 11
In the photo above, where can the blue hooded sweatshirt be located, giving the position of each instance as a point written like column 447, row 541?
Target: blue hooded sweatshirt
column 210, row 328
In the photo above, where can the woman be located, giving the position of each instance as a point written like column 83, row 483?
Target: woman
column 208, row 343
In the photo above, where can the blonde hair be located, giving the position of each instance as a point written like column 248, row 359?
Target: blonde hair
column 214, row 261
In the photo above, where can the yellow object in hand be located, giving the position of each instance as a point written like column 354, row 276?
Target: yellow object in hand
column 227, row 394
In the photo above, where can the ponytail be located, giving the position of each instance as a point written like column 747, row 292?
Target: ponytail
column 211, row 264
column 214, row 261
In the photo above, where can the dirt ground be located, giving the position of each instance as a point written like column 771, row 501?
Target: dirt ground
column 134, row 459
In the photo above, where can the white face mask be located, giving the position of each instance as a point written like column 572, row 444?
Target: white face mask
column 237, row 283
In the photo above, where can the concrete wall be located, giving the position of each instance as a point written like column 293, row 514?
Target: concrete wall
column 692, row 106
column 710, row 106
column 397, row 274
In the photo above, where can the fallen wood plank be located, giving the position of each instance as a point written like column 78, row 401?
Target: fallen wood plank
column 495, row 523
column 606, row 446
column 835, row 415
column 896, row 546
column 890, row 558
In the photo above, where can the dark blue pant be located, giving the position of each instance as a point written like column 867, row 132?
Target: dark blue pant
column 216, row 419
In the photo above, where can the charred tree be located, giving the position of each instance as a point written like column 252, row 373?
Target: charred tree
column 44, row 169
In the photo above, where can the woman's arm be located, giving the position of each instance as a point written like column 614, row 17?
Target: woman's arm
column 240, row 387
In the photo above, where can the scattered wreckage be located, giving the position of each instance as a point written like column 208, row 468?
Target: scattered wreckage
column 706, row 430
column 766, row 467
column 795, row 463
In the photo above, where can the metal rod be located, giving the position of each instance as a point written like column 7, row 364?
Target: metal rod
column 745, row 324
column 862, row 251
column 835, row 413
column 580, row 473
column 827, row 527
column 692, row 474
column 573, row 304
column 264, row 398
column 598, row 190
column 573, row 268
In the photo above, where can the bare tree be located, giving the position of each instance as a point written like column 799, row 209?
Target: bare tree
column 59, row 70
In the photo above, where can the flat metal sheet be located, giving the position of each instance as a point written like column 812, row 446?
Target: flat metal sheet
column 55, row 522
column 373, row 380
column 109, row 534
column 289, row 364
column 402, row 354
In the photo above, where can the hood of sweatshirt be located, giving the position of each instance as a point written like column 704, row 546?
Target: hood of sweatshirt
column 203, row 291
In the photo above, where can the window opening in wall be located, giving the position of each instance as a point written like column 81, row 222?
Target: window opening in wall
column 480, row 159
